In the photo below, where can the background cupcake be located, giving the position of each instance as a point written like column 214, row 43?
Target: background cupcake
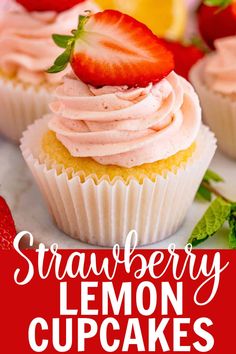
column 120, row 150
column 26, row 51
column 215, row 81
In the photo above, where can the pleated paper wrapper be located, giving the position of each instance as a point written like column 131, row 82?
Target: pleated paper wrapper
column 104, row 212
column 20, row 107
column 219, row 112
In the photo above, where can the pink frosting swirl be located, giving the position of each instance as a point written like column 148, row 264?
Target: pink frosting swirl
column 26, row 45
column 220, row 68
column 126, row 127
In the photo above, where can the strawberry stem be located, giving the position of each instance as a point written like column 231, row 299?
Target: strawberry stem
column 67, row 42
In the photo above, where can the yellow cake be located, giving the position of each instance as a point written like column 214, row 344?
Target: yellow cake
column 56, row 152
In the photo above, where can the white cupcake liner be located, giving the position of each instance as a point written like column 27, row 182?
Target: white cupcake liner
column 219, row 112
column 103, row 213
column 20, row 107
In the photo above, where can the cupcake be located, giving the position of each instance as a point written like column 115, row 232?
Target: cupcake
column 214, row 79
column 26, row 52
column 123, row 147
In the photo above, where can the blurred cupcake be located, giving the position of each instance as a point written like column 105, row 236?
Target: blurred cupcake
column 26, row 51
column 214, row 78
column 115, row 157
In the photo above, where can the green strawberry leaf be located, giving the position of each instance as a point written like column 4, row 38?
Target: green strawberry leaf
column 204, row 193
column 61, row 62
column 56, row 69
column 199, row 43
column 212, row 176
column 64, row 58
column 221, row 3
column 61, row 40
column 68, row 43
column 211, row 222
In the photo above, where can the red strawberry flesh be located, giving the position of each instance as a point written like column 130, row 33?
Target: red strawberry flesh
column 7, row 226
column 119, row 50
column 181, row 52
column 48, row 5
column 216, row 22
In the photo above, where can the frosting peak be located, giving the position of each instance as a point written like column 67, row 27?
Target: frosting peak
column 220, row 68
column 126, row 127
column 26, row 45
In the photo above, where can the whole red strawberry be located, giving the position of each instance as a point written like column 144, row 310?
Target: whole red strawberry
column 7, row 226
column 111, row 48
column 185, row 56
column 217, row 21
column 48, row 5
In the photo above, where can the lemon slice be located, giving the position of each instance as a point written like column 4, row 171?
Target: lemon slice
column 166, row 18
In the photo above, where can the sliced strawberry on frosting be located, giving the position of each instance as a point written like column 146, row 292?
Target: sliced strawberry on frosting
column 7, row 226
column 110, row 48
column 48, row 5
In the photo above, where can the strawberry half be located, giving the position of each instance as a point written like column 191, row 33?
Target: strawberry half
column 181, row 52
column 48, row 5
column 217, row 21
column 7, row 226
column 110, row 48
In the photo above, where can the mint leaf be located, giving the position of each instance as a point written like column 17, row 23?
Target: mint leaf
column 204, row 193
column 61, row 40
column 233, row 207
column 232, row 233
column 232, row 225
column 211, row 222
column 205, row 190
column 212, row 176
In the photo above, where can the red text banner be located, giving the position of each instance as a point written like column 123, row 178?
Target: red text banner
column 83, row 301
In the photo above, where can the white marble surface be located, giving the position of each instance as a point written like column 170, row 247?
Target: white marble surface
column 30, row 213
